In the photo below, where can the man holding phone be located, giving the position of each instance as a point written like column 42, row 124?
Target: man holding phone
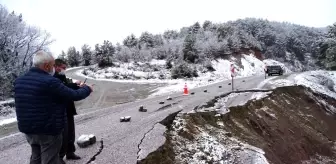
column 68, row 146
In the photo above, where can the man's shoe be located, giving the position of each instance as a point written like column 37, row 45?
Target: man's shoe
column 72, row 156
column 62, row 162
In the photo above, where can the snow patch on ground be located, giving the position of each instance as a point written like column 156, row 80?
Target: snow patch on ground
column 73, row 68
column 264, row 82
column 10, row 101
column 7, row 121
column 258, row 96
column 266, row 110
column 7, row 112
column 281, row 83
column 221, row 106
column 158, row 62
column 252, row 66
column 320, row 81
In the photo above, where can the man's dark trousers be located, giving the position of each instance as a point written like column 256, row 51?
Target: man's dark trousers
column 68, row 145
column 45, row 148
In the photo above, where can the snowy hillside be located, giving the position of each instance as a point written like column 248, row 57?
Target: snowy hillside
column 156, row 72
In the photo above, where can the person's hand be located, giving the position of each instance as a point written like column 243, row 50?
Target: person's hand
column 81, row 84
column 78, row 82
column 91, row 87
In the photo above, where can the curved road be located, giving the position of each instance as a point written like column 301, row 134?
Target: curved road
column 98, row 116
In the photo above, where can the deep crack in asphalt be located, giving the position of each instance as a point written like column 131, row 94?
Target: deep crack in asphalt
column 93, row 158
column 215, row 99
column 166, row 122
column 167, row 106
column 139, row 149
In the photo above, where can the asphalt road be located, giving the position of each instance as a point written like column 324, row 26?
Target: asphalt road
column 98, row 116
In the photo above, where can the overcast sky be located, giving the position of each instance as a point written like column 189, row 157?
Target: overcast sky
column 78, row 22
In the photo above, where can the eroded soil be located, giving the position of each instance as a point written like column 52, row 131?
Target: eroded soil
column 292, row 125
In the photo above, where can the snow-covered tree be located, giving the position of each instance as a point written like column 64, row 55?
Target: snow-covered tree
column 332, row 31
column 63, row 56
column 158, row 40
column 328, row 49
column 87, row 54
column 130, row 41
column 234, row 42
column 195, row 28
column 146, row 40
column 190, row 53
column 104, row 53
column 73, row 57
column 183, row 70
column 124, row 54
column 170, row 35
column 18, row 43
column 118, row 47
column 207, row 25
column 198, row 44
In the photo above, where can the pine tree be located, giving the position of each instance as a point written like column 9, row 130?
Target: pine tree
column 130, row 41
column 63, row 56
column 189, row 51
column 73, row 57
column 207, row 25
column 87, row 54
column 328, row 48
column 195, row 28
column 146, row 40
column 158, row 40
column 170, row 35
column 98, row 57
column 332, row 31
column 104, row 53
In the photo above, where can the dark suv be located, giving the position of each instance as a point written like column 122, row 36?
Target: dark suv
column 274, row 69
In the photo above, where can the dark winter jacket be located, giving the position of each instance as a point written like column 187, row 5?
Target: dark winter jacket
column 40, row 101
column 70, row 106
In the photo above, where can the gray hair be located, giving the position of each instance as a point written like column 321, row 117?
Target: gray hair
column 42, row 57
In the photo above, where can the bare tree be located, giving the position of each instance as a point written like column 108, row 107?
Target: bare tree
column 18, row 43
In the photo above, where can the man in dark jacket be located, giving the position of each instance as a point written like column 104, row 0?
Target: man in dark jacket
column 68, row 144
column 40, row 101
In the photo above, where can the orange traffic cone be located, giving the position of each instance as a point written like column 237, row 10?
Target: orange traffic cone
column 185, row 91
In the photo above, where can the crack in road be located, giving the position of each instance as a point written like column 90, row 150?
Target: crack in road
column 166, row 122
column 215, row 99
column 93, row 158
column 167, row 106
column 139, row 149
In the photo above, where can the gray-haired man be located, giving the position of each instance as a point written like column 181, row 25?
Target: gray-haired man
column 40, row 101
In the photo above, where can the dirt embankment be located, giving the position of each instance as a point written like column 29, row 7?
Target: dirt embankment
column 292, row 125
